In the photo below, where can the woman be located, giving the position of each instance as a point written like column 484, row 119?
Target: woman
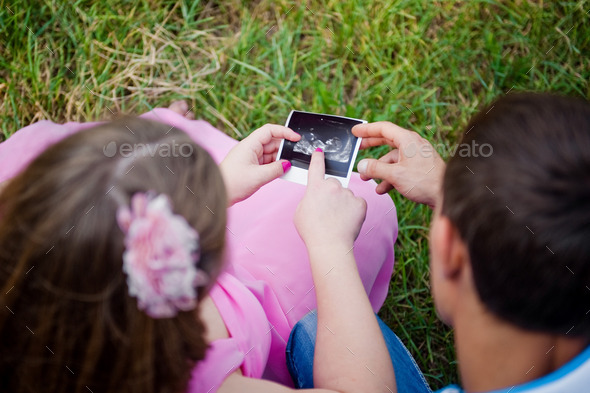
column 115, row 263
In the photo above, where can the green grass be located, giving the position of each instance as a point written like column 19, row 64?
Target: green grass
column 427, row 66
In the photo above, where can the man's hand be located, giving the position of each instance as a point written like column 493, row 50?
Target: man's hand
column 413, row 167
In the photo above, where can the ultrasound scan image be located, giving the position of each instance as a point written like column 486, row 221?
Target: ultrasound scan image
column 334, row 148
column 330, row 133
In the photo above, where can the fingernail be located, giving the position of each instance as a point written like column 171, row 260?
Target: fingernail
column 319, row 149
column 286, row 166
column 362, row 166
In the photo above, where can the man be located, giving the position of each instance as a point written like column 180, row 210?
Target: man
column 509, row 242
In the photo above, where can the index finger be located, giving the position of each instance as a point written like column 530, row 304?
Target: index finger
column 373, row 141
column 267, row 132
column 317, row 168
column 393, row 134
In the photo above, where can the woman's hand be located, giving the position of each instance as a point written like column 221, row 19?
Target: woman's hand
column 251, row 163
column 413, row 167
column 328, row 219
column 329, row 215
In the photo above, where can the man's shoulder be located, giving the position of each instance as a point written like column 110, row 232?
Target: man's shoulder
column 573, row 377
column 450, row 389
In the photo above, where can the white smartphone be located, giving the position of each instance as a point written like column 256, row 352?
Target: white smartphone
column 330, row 133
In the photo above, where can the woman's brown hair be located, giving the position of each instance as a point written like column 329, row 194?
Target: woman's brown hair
column 68, row 323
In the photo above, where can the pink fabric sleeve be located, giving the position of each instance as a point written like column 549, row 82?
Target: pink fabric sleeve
column 249, row 343
column 222, row 359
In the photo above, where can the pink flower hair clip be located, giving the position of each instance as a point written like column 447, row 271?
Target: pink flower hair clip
column 161, row 256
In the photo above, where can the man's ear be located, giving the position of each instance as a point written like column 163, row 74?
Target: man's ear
column 452, row 253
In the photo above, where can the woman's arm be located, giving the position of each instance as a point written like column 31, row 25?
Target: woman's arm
column 350, row 353
column 238, row 383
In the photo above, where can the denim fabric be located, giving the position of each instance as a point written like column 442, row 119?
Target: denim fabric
column 301, row 345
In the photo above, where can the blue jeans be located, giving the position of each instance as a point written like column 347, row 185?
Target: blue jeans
column 301, row 345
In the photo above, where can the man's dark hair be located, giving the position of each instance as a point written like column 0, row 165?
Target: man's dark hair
column 524, row 210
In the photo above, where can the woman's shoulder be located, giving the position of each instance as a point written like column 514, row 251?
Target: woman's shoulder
column 215, row 328
column 237, row 329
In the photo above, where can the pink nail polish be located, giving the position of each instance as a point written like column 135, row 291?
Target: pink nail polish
column 319, row 149
column 286, row 166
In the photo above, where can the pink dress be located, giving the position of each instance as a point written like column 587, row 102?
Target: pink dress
column 267, row 286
